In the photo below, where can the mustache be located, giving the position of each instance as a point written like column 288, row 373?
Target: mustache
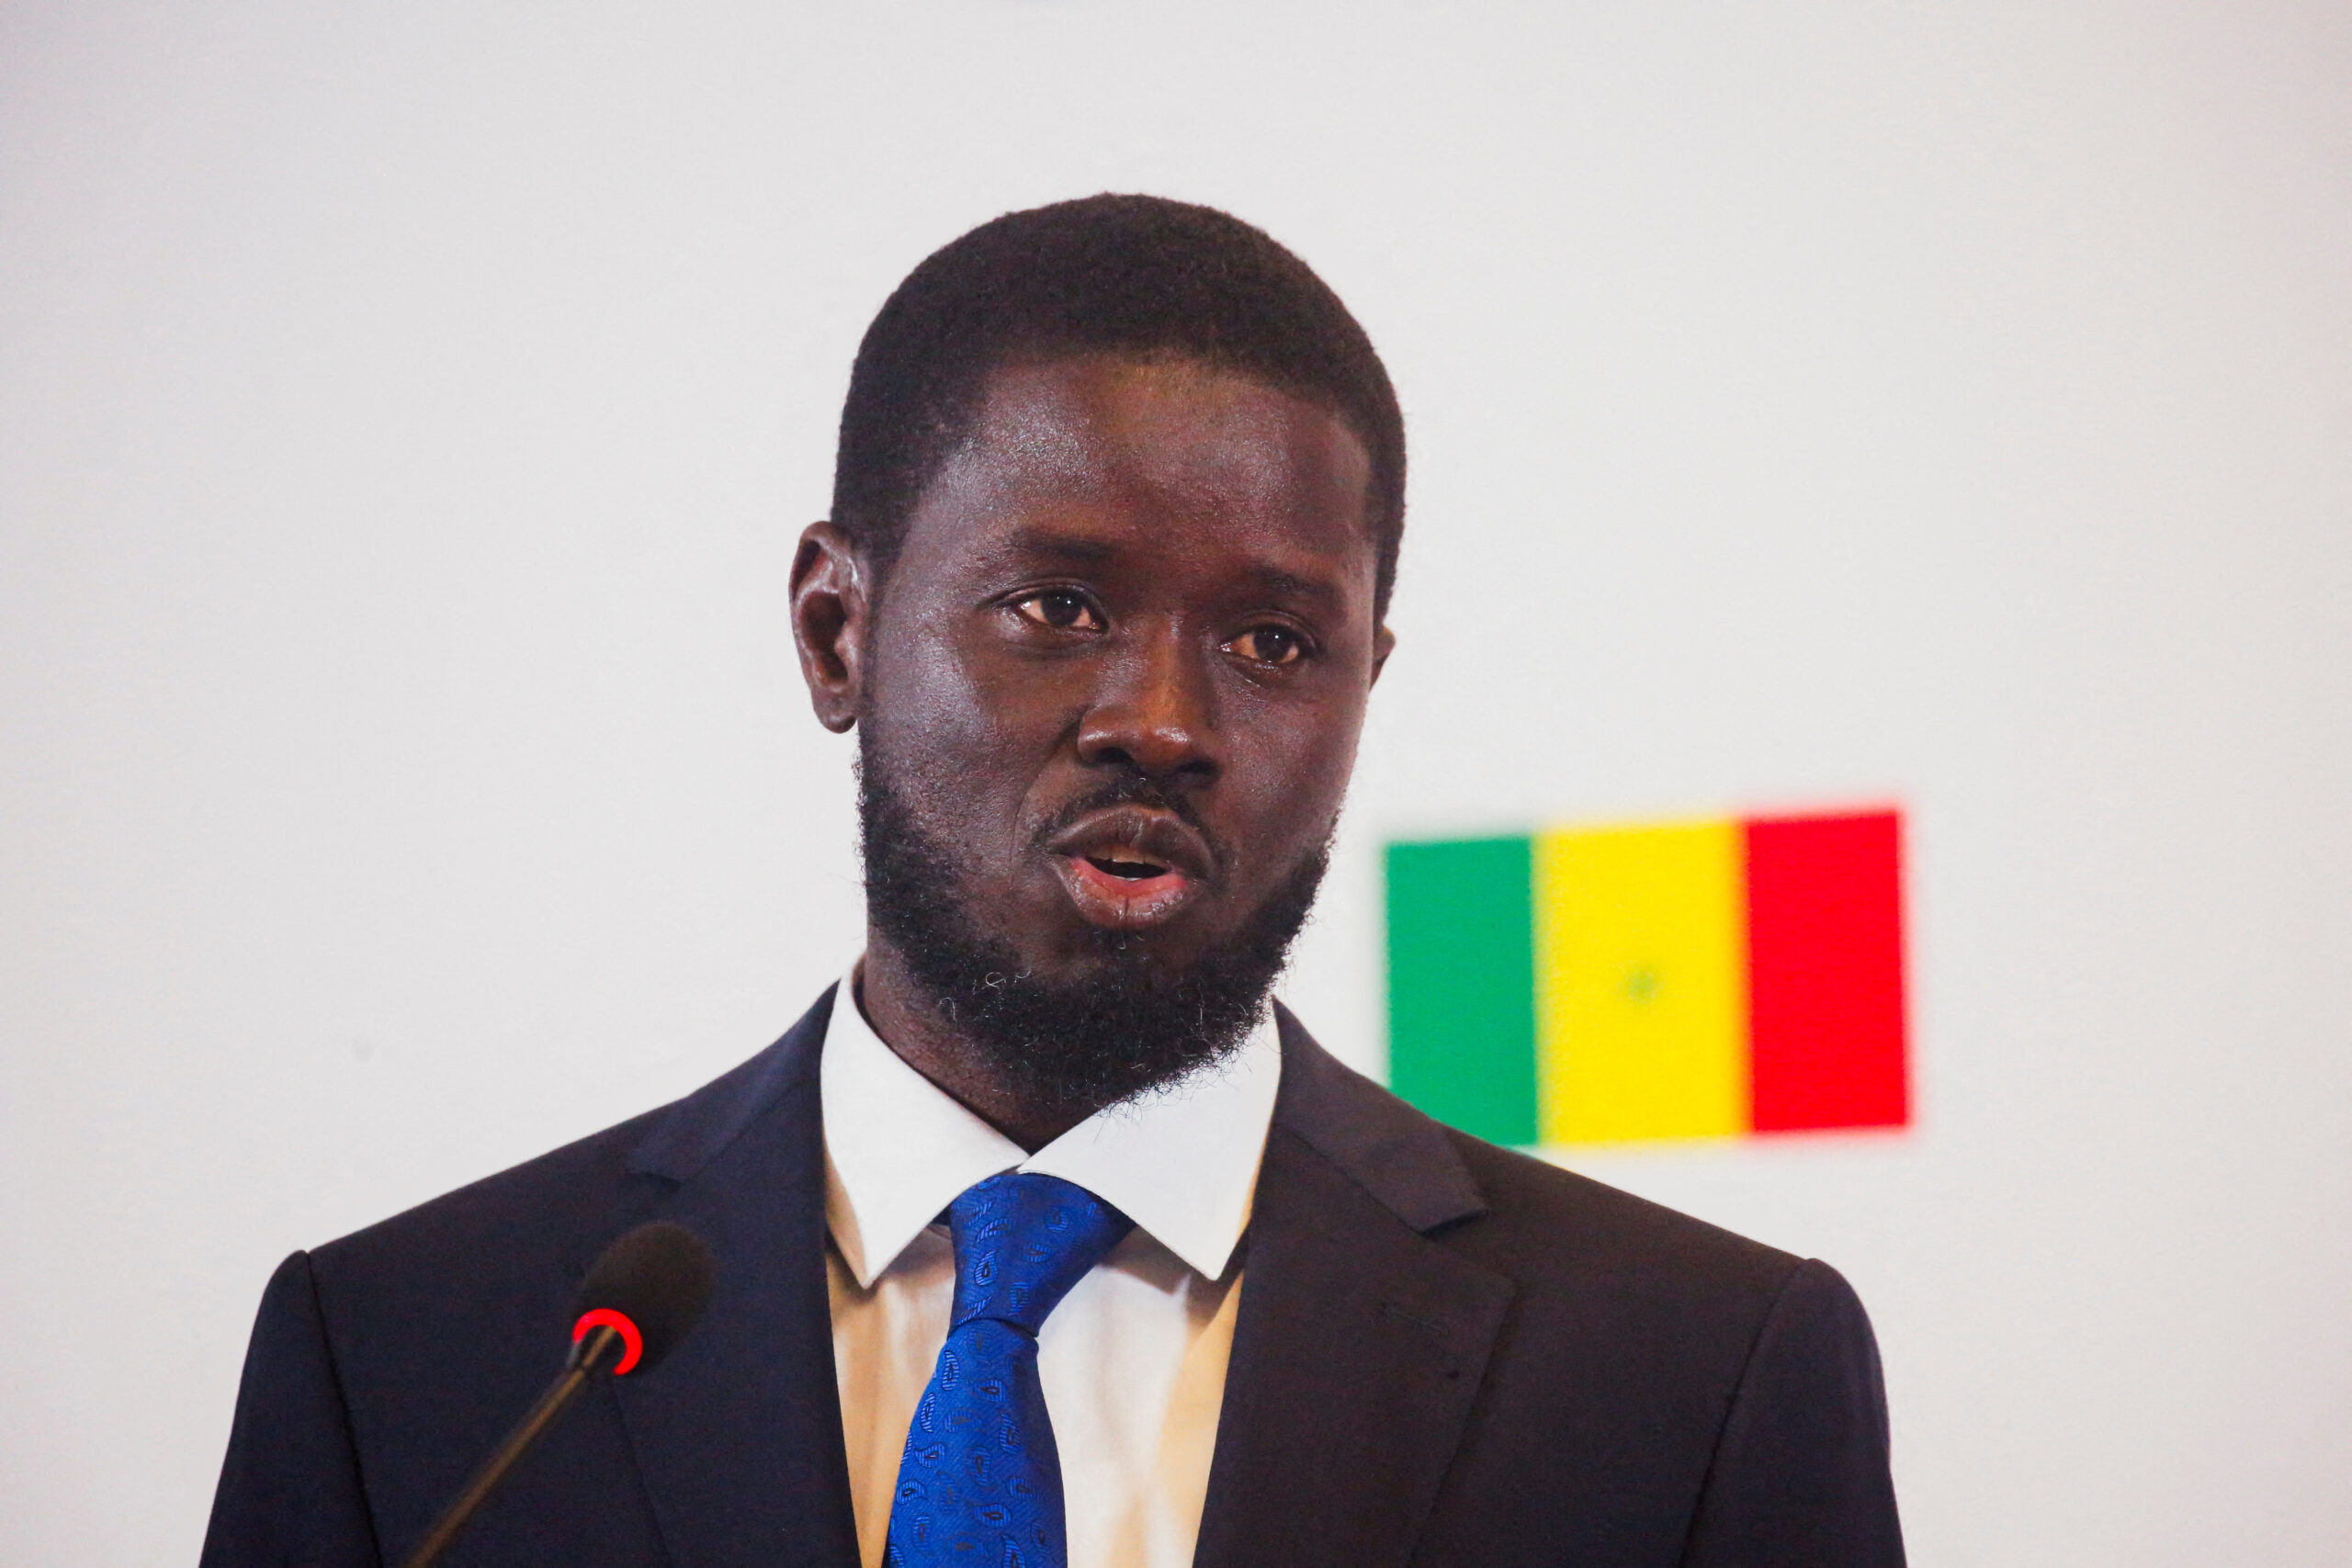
column 1129, row 791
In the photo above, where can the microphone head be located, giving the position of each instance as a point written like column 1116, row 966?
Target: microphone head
column 651, row 1286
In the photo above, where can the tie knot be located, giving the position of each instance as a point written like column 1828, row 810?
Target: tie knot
column 1022, row 1242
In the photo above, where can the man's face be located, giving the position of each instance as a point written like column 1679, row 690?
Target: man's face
column 1120, row 665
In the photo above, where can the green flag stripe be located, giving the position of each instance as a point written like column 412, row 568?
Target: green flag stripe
column 1462, row 984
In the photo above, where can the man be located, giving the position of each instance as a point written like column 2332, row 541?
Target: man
column 1044, row 1238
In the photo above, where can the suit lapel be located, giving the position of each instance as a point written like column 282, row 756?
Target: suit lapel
column 739, row 1437
column 1361, row 1342
column 1359, row 1351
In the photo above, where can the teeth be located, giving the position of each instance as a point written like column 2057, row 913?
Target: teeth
column 1127, row 863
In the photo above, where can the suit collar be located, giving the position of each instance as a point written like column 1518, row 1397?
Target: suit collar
column 693, row 1131
column 1362, row 1341
column 1403, row 1161
column 1400, row 1157
column 738, row 1436
column 1361, row 1344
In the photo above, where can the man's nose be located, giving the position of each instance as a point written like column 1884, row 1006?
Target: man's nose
column 1155, row 712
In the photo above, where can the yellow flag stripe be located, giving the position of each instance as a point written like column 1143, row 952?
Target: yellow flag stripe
column 1641, row 983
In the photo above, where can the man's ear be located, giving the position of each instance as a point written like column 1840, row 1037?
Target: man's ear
column 830, row 607
column 1383, row 643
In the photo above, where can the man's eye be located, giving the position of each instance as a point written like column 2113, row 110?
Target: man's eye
column 1061, row 608
column 1270, row 645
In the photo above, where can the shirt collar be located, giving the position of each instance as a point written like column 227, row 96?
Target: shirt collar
column 1180, row 1162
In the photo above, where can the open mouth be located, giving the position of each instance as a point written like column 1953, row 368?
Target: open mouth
column 1131, row 866
column 1126, row 867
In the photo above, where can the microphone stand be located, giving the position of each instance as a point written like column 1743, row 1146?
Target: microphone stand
column 587, row 1357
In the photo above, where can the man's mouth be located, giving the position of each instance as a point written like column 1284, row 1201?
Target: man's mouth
column 1131, row 866
column 1125, row 867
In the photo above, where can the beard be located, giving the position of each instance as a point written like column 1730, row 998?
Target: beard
column 1125, row 1020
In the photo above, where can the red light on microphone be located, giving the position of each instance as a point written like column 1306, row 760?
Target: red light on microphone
column 606, row 1317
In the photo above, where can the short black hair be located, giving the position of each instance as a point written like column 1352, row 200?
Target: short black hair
column 1130, row 275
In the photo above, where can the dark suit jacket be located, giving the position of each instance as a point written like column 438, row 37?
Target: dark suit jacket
column 1446, row 1353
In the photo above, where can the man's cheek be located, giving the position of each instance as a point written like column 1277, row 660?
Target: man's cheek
column 1292, row 778
column 941, row 688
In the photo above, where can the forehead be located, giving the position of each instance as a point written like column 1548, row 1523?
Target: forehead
column 1170, row 452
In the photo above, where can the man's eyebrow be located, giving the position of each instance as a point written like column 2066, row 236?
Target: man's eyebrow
column 1075, row 547
column 1082, row 549
column 1281, row 584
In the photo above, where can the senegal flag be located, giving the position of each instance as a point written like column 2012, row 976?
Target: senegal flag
column 1670, row 980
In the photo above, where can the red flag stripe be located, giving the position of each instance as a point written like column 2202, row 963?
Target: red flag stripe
column 1827, row 1016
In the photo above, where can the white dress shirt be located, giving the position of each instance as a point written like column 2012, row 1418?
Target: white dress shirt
column 1132, row 1359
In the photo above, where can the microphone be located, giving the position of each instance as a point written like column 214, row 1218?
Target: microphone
column 642, row 1296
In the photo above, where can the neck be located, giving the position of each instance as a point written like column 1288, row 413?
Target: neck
column 912, row 1024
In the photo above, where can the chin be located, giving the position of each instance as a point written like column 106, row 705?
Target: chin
column 1085, row 951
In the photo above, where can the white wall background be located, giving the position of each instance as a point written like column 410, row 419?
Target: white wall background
column 406, row 411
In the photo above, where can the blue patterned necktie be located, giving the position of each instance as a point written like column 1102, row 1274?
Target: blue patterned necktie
column 980, row 1485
